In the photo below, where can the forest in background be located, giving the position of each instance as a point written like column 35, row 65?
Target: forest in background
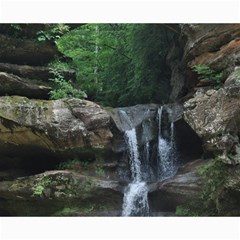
column 116, row 64
column 120, row 64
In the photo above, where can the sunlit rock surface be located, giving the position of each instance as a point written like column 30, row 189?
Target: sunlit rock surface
column 61, row 126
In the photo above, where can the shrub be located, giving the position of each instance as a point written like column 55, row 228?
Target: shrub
column 215, row 175
column 52, row 33
column 40, row 186
column 205, row 72
column 70, row 165
column 189, row 210
column 64, row 88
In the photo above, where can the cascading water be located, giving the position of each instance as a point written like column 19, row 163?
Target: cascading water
column 135, row 201
column 130, row 137
column 142, row 159
column 166, row 151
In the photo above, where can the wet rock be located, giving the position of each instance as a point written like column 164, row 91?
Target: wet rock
column 143, row 117
column 137, row 115
column 183, row 188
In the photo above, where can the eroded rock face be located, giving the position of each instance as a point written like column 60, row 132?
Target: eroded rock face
column 144, row 117
column 61, row 185
column 65, row 188
column 183, row 188
column 13, row 85
column 30, row 52
column 192, row 188
column 67, row 126
column 215, row 117
column 212, row 44
column 35, row 72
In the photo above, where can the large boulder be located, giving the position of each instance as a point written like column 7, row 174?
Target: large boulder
column 13, row 85
column 144, row 118
column 59, row 189
column 67, row 127
column 215, row 116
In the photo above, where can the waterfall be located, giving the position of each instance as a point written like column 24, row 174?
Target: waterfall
column 131, row 140
column 148, row 162
column 166, row 151
column 135, row 201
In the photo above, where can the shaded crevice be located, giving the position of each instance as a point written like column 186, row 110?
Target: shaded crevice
column 188, row 143
column 24, row 161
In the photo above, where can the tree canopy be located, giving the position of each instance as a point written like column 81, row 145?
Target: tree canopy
column 120, row 64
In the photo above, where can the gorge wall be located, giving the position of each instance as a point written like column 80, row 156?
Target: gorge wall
column 37, row 135
column 211, row 108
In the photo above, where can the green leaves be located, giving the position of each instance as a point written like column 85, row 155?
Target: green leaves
column 38, row 190
column 120, row 64
column 214, row 174
column 52, row 32
column 206, row 73
column 64, row 88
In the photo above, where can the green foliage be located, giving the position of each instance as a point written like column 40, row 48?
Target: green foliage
column 207, row 73
column 120, row 64
column 70, row 165
column 74, row 164
column 68, row 211
column 59, row 65
column 38, row 190
column 63, row 88
column 52, row 33
column 40, row 186
column 149, row 47
column 15, row 30
column 189, row 210
column 88, row 185
column 214, row 174
column 86, row 208
column 80, row 45
column 16, row 27
column 99, row 171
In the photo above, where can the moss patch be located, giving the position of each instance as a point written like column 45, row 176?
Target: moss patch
column 214, row 175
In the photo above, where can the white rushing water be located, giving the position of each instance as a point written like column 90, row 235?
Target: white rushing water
column 131, row 140
column 166, row 151
column 135, row 201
